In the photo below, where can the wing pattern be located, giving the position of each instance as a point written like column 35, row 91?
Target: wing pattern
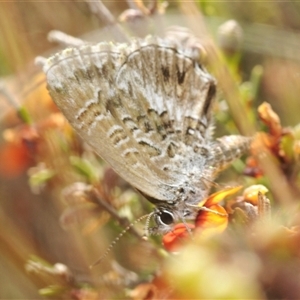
column 143, row 107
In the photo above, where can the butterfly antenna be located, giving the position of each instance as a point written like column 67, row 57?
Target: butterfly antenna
column 189, row 230
column 63, row 39
column 146, row 228
column 211, row 182
column 115, row 241
column 214, row 183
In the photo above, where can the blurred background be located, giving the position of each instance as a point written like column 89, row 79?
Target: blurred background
column 49, row 212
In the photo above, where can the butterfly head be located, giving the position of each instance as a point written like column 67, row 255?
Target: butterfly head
column 168, row 213
column 166, row 216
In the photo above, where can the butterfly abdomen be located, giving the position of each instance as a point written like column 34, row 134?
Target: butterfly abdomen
column 226, row 149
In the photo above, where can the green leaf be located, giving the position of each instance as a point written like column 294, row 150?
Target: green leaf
column 84, row 167
column 41, row 177
column 52, row 291
column 24, row 115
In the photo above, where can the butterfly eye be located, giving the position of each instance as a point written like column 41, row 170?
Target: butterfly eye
column 165, row 218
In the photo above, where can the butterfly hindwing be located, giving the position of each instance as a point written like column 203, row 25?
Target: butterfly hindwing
column 138, row 106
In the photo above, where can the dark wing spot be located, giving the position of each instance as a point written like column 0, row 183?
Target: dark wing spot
column 151, row 150
column 89, row 113
column 90, row 74
column 167, row 123
column 144, row 123
column 132, row 154
column 103, row 71
column 171, row 150
column 81, row 74
column 157, row 120
column 180, row 76
column 208, row 101
column 117, row 136
column 77, row 75
column 58, row 90
column 112, row 105
column 81, row 116
column 129, row 123
column 115, row 132
column 130, row 91
column 97, row 113
column 166, row 73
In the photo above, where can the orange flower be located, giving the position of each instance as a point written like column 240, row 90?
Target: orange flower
column 14, row 159
column 177, row 237
column 212, row 218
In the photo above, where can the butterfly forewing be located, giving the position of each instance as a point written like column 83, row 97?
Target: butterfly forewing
column 142, row 108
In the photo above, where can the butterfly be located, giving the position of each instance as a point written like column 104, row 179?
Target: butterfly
column 146, row 108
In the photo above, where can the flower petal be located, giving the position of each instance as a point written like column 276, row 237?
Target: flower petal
column 250, row 194
column 14, row 159
column 176, row 238
column 220, row 195
column 209, row 223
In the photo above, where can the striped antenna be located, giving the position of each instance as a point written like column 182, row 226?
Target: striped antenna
column 114, row 242
column 146, row 228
